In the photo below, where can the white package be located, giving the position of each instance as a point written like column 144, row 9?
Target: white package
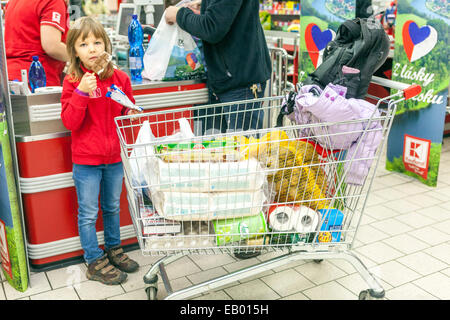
column 186, row 206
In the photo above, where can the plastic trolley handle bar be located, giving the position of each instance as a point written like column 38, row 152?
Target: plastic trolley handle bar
column 409, row 91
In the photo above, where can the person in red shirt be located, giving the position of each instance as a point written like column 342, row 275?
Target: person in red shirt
column 36, row 28
column 97, row 167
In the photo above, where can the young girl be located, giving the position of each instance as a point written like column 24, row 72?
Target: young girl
column 97, row 166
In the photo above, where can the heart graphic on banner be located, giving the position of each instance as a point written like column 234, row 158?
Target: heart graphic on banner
column 418, row 42
column 316, row 40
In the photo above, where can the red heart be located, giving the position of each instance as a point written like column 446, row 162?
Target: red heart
column 408, row 45
column 310, row 45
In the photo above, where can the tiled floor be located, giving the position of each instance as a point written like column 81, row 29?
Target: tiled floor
column 404, row 240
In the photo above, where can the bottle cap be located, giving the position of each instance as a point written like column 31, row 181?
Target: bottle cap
column 35, row 58
column 134, row 16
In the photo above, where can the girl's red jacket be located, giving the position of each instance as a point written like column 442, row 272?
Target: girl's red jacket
column 90, row 117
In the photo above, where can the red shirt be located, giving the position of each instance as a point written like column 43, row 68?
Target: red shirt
column 91, row 119
column 23, row 20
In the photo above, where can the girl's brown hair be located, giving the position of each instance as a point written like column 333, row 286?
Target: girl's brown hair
column 81, row 28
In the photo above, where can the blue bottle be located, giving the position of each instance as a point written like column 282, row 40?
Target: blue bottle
column 136, row 53
column 36, row 74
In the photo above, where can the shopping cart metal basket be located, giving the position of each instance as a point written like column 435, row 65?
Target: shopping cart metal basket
column 221, row 189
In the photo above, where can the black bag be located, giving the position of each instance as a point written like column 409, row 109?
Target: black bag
column 360, row 44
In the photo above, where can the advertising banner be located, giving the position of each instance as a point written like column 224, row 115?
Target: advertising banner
column 12, row 244
column 421, row 57
column 319, row 22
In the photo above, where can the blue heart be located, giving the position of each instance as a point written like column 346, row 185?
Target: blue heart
column 320, row 38
column 418, row 34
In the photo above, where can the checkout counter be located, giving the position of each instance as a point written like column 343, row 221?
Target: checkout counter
column 45, row 169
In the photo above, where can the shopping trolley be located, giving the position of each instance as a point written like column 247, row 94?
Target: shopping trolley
column 192, row 190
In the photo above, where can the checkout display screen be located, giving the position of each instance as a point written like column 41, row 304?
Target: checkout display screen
column 127, row 16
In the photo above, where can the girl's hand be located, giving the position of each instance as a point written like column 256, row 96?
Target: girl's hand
column 132, row 112
column 88, row 83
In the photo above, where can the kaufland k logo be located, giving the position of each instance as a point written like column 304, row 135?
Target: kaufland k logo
column 416, row 155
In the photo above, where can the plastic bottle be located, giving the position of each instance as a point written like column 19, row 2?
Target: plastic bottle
column 36, row 74
column 136, row 53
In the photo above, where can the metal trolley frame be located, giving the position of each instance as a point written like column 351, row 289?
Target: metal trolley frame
column 219, row 192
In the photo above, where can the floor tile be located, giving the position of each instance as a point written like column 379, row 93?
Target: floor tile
column 135, row 295
column 330, row 291
column 207, row 275
column 380, row 212
column 209, row 261
column 176, row 284
column 217, row 295
column 441, row 252
column 64, row 293
column 181, row 268
column 320, row 273
column 401, row 205
column 296, row 296
column 287, row 282
column 368, row 234
column 443, row 226
column 408, row 291
column 424, row 200
column 379, row 252
column 253, row 290
column 355, row 283
column 94, row 290
column 38, row 284
column 436, row 284
column 394, row 273
column 135, row 280
column 430, row 235
column 415, row 220
column 436, row 212
column 68, row 276
column 392, row 226
column 422, row 263
column 390, row 194
column 406, row 243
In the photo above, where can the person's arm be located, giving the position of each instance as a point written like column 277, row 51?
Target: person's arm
column 51, row 43
column 213, row 25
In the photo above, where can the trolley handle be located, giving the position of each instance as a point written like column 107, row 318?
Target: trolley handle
column 409, row 91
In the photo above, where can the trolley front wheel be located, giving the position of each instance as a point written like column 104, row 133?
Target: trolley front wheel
column 370, row 295
column 151, row 293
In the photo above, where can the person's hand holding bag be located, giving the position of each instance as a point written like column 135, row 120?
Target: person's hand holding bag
column 171, row 15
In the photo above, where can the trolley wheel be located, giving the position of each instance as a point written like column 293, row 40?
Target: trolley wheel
column 151, row 292
column 318, row 260
column 370, row 295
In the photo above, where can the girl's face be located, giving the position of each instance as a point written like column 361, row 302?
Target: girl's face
column 89, row 49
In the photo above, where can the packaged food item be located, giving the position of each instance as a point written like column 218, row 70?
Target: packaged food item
column 238, row 229
column 330, row 231
column 219, row 150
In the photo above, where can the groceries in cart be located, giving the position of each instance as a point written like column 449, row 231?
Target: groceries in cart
column 232, row 184
column 348, row 124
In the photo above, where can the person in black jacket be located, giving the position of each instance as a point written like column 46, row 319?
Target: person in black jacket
column 236, row 56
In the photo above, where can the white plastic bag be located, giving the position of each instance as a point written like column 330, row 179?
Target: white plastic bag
column 172, row 54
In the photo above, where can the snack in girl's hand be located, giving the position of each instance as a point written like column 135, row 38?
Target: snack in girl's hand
column 120, row 97
column 101, row 62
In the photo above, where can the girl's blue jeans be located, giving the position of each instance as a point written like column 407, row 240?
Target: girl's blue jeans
column 90, row 182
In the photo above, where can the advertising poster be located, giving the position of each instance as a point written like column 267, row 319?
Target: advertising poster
column 319, row 22
column 12, row 244
column 420, row 56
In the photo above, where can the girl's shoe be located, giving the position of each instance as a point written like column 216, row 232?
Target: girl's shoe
column 101, row 270
column 121, row 261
